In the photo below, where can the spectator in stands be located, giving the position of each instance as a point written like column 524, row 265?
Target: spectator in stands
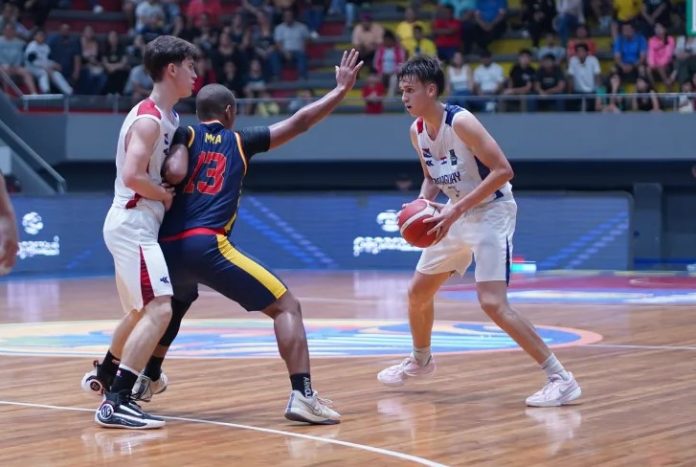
column 255, row 83
column 182, row 28
column 660, row 50
column 232, row 79
column 10, row 15
column 421, row 45
column 115, row 62
column 584, row 73
column 36, row 56
column 550, row 82
column 521, row 83
column 92, row 73
column 267, row 106
column 154, row 26
column 582, row 36
column 172, row 10
column 388, row 60
column 489, row 24
column 537, row 17
column 66, row 52
column 290, row 37
column 685, row 55
column 653, row 12
column 237, row 28
column 139, row 84
column 211, row 8
column 645, row 99
column 551, row 47
column 313, row 15
column 610, row 97
column 136, row 51
column 367, row 37
column 459, row 81
column 488, row 81
column 228, row 51
column 207, row 35
column 261, row 45
column 447, row 32
column 302, row 98
column 150, row 13
column 12, row 57
column 625, row 11
column 404, row 30
column 570, row 15
column 602, row 11
column 39, row 10
column 205, row 73
column 373, row 93
column 630, row 51
column 686, row 103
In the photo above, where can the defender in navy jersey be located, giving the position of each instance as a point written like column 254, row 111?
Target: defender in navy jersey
column 462, row 160
column 194, row 235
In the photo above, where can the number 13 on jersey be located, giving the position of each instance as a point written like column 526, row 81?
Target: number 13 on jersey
column 208, row 181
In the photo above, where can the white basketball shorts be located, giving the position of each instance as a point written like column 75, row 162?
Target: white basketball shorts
column 141, row 272
column 484, row 232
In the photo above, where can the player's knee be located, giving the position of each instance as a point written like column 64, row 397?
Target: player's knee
column 160, row 310
column 290, row 304
column 493, row 305
column 418, row 295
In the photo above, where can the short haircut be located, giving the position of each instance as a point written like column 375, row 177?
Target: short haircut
column 212, row 100
column 164, row 50
column 549, row 56
column 525, row 52
column 426, row 70
column 581, row 45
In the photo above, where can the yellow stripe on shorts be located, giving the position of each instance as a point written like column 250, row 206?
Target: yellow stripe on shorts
column 254, row 269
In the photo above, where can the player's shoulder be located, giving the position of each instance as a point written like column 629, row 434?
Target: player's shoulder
column 417, row 126
column 149, row 108
column 455, row 113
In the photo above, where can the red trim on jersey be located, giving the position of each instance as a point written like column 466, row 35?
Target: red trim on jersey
column 148, row 107
column 192, row 232
column 133, row 202
column 145, row 284
column 419, row 125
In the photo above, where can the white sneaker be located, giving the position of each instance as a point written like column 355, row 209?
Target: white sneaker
column 556, row 392
column 397, row 375
column 93, row 384
column 145, row 388
column 311, row 409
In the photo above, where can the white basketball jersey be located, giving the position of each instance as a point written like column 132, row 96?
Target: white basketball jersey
column 450, row 163
column 125, row 197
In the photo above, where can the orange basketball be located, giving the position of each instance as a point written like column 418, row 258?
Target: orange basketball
column 411, row 224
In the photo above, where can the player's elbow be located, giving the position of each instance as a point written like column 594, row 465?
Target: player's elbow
column 507, row 173
column 174, row 174
column 130, row 180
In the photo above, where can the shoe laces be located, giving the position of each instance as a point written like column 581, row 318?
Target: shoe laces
column 322, row 400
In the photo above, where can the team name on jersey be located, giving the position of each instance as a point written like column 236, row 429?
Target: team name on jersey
column 448, row 179
column 213, row 139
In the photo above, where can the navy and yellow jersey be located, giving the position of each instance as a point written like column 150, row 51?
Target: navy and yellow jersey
column 218, row 161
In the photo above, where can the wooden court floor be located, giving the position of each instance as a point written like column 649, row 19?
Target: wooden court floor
column 638, row 405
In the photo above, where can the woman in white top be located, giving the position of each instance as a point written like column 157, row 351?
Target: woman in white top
column 36, row 57
column 459, row 80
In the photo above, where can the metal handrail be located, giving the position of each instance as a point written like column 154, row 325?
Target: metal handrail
column 61, row 185
column 7, row 80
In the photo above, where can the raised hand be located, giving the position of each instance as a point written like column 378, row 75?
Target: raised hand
column 347, row 71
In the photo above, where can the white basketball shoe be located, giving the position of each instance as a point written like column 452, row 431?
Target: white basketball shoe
column 397, row 375
column 145, row 388
column 312, row 409
column 556, row 392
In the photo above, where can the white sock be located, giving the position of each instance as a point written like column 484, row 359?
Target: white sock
column 422, row 356
column 553, row 367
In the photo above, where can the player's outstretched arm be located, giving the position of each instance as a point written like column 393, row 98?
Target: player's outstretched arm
column 8, row 228
column 140, row 144
column 311, row 114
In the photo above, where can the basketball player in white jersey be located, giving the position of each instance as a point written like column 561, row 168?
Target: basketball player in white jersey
column 131, row 229
column 461, row 159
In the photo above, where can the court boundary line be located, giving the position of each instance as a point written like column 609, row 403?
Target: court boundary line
column 348, row 444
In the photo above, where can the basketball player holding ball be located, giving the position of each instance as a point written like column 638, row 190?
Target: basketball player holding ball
column 461, row 159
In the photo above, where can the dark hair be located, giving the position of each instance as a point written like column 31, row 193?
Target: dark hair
column 581, row 45
column 525, row 52
column 549, row 56
column 165, row 50
column 212, row 100
column 426, row 70
column 388, row 34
